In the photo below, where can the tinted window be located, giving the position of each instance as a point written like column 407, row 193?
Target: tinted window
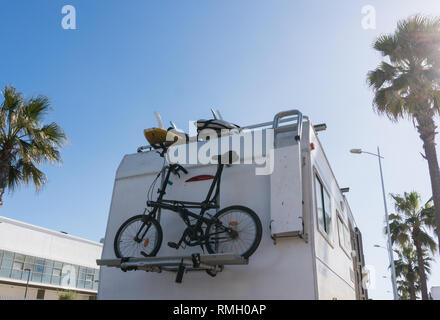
column 14, row 265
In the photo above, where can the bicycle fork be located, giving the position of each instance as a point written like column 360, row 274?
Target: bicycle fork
column 142, row 232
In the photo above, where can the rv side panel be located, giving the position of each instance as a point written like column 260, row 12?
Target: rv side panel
column 331, row 237
column 275, row 271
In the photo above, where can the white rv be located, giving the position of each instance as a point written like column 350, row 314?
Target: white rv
column 311, row 247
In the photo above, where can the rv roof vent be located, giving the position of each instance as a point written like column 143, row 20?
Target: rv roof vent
column 320, row 127
column 345, row 190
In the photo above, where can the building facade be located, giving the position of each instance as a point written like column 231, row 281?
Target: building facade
column 43, row 264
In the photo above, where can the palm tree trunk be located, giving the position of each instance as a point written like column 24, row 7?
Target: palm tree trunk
column 412, row 283
column 421, row 266
column 426, row 128
column 4, row 171
column 412, row 291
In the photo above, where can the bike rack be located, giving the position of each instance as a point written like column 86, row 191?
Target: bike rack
column 211, row 263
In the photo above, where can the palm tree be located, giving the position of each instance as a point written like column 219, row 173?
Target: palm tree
column 407, row 85
column 25, row 142
column 411, row 225
column 406, row 269
column 403, row 290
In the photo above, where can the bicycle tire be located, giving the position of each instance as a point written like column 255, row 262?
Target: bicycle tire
column 144, row 219
column 253, row 217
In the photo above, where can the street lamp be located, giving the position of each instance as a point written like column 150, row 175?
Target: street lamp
column 27, row 283
column 390, row 246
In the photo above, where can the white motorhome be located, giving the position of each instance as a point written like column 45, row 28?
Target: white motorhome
column 311, row 247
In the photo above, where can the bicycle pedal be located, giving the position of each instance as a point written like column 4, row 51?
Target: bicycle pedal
column 173, row 245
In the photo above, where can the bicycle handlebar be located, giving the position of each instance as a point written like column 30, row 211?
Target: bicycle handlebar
column 175, row 168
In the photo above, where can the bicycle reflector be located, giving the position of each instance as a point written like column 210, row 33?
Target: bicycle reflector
column 233, row 223
column 200, row 178
column 146, row 242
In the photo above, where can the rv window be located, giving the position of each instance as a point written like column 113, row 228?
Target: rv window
column 347, row 239
column 344, row 235
column 343, row 212
column 323, row 207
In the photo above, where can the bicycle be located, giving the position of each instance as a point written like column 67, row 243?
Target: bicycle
column 234, row 229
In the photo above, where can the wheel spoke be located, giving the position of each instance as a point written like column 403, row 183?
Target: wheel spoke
column 239, row 221
column 127, row 245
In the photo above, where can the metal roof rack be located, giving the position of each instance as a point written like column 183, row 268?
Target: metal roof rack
column 211, row 263
column 294, row 116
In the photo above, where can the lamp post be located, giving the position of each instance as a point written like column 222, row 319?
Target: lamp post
column 389, row 244
column 27, row 283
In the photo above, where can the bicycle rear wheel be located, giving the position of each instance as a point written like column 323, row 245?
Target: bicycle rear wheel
column 140, row 236
column 237, row 230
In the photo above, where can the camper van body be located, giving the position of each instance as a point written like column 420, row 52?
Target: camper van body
column 302, row 255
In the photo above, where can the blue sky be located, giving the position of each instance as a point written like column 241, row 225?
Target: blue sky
column 250, row 59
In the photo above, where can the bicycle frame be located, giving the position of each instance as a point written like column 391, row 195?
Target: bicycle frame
column 182, row 207
column 208, row 203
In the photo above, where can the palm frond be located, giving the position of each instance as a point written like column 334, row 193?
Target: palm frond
column 36, row 108
column 25, row 140
column 407, row 85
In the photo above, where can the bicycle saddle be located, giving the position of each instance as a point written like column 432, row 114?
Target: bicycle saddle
column 160, row 138
column 227, row 157
column 215, row 124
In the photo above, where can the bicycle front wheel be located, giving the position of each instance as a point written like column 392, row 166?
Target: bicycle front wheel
column 237, row 230
column 140, row 236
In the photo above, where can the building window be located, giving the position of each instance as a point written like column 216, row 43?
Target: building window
column 81, row 277
column 6, row 264
column 46, row 278
column 13, row 265
column 17, row 270
column 56, row 275
column 323, row 207
column 56, row 272
column 69, row 275
column 19, row 257
column 96, row 280
column 47, row 271
column 9, row 255
column 38, row 268
column 90, row 279
column 36, row 277
column 40, row 294
column 344, row 236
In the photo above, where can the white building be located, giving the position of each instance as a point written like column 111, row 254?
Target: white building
column 46, row 262
column 311, row 247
